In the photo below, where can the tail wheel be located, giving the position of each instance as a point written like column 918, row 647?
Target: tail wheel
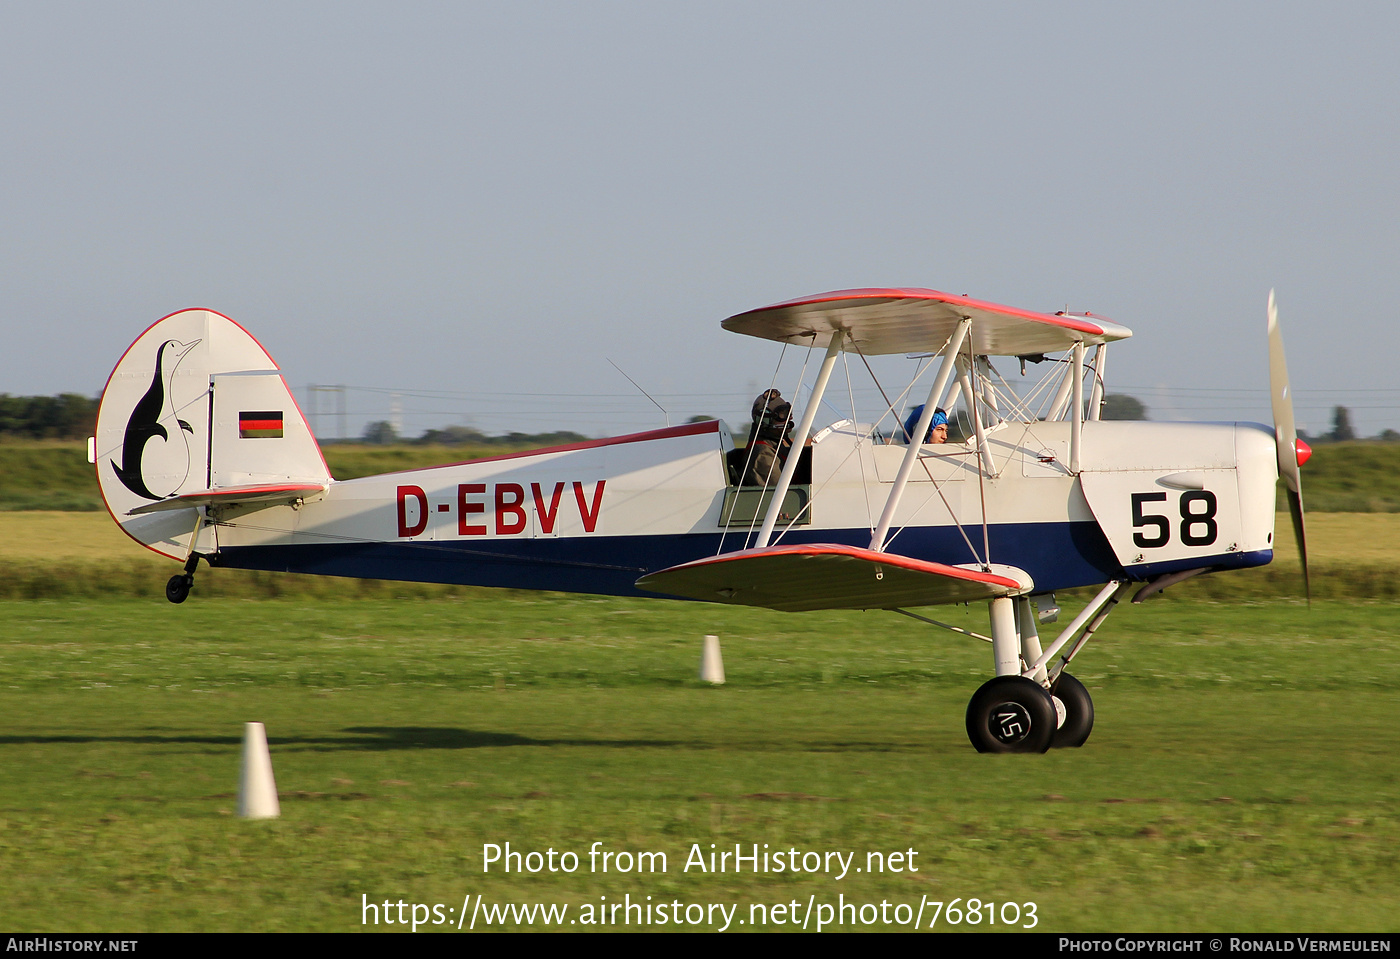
column 1079, row 712
column 1011, row 714
column 177, row 590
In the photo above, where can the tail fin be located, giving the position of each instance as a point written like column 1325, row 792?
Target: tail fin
column 195, row 404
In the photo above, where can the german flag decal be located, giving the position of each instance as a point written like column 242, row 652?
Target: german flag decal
column 260, row 424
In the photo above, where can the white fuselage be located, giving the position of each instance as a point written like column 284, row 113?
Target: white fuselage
column 1150, row 498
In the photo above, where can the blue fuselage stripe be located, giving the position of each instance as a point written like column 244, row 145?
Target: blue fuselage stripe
column 1056, row 555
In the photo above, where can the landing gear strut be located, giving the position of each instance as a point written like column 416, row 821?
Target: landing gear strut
column 1029, row 708
column 177, row 590
column 1033, row 705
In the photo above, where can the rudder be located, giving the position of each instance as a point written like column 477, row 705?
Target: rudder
column 195, row 403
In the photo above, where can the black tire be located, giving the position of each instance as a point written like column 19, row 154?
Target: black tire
column 1079, row 712
column 1011, row 714
column 177, row 590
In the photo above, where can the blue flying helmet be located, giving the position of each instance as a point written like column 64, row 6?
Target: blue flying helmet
column 940, row 418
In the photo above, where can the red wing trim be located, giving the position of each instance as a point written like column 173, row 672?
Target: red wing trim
column 233, row 492
column 226, row 494
column 916, row 293
column 689, row 429
column 855, row 552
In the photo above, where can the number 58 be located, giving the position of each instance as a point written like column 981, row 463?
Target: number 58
column 1198, row 526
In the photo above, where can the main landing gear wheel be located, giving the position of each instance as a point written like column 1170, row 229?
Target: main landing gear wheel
column 1079, row 712
column 177, row 590
column 1011, row 714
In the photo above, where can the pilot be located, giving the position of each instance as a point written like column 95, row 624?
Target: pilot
column 937, row 427
column 770, row 438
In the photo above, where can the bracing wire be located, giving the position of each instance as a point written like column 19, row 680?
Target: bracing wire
column 864, row 486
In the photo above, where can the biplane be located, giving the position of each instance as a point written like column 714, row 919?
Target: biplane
column 202, row 454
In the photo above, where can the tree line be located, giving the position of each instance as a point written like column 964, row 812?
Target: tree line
column 1342, row 430
column 68, row 416
column 72, row 416
column 382, row 433
column 1118, row 406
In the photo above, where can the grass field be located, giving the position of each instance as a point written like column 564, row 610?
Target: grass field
column 53, row 554
column 1241, row 775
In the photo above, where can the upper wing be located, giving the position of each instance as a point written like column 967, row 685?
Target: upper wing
column 831, row 576
column 915, row 320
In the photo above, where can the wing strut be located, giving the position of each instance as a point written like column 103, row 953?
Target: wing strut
column 983, row 450
column 984, row 454
column 1093, row 614
column 911, row 455
column 1076, row 430
column 1096, row 394
column 1060, row 404
column 799, row 441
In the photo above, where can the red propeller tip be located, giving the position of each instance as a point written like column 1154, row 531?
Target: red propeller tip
column 1303, row 450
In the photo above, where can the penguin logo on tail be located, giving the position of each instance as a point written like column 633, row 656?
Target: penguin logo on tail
column 172, row 454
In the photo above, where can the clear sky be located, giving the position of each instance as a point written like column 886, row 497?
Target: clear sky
column 477, row 205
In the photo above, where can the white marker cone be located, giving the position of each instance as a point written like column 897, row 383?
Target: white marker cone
column 711, row 663
column 257, row 792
